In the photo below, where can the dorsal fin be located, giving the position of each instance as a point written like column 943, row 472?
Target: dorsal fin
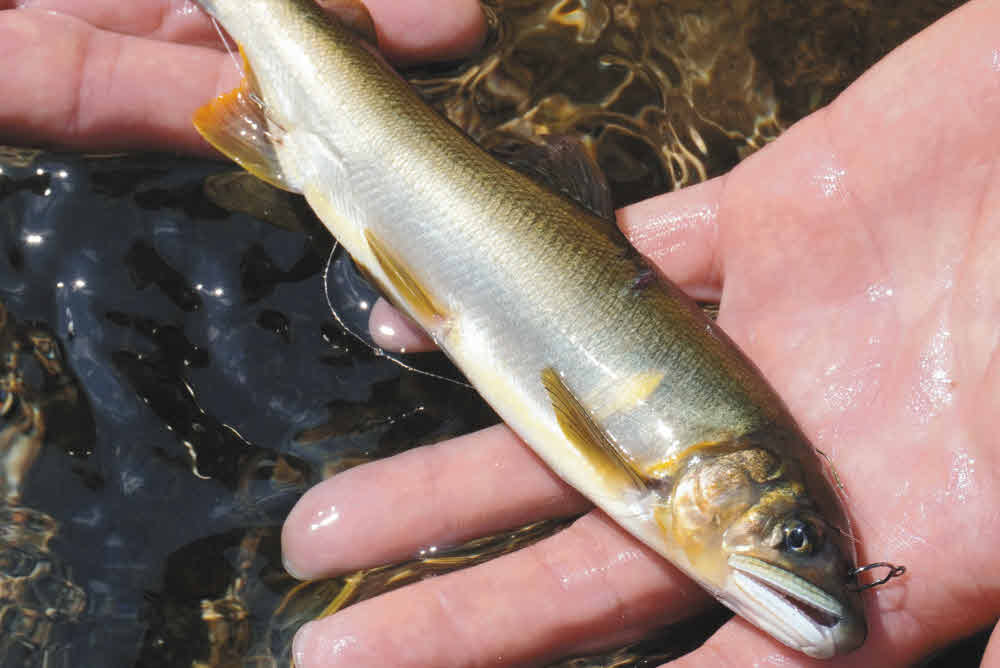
column 561, row 163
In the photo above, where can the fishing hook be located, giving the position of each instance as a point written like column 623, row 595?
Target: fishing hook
column 894, row 572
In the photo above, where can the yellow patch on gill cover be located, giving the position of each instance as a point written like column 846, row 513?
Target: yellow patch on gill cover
column 236, row 123
column 669, row 467
column 590, row 440
column 695, row 543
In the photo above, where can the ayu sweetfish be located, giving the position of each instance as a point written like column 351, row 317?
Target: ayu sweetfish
column 612, row 375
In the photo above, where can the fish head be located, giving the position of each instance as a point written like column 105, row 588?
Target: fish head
column 772, row 548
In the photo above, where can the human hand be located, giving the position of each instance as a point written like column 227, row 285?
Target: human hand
column 116, row 75
column 856, row 261
column 898, row 388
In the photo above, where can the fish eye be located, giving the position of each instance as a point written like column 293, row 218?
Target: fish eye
column 800, row 538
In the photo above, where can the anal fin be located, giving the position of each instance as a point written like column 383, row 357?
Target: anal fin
column 590, row 440
column 562, row 163
column 417, row 299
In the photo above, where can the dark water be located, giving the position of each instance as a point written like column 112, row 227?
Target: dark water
column 172, row 378
column 210, row 388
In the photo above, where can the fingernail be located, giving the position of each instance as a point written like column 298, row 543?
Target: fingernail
column 292, row 569
column 298, row 647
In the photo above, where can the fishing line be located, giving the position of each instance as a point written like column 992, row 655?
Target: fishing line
column 841, row 491
column 378, row 351
column 893, row 572
column 229, row 49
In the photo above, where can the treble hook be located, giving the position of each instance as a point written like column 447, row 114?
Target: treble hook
column 894, row 572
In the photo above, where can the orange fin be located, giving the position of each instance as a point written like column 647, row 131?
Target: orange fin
column 418, row 300
column 236, row 123
column 582, row 431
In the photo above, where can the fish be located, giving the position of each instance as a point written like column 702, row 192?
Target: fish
column 606, row 369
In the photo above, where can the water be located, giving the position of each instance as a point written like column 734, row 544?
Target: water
column 189, row 384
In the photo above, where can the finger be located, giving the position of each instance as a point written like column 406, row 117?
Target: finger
column 442, row 494
column 678, row 232
column 106, row 91
column 992, row 657
column 100, row 90
column 167, row 20
column 422, row 30
column 739, row 644
column 392, row 330
column 583, row 588
column 408, row 32
column 904, row 624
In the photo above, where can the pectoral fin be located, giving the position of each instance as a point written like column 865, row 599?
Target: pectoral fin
column 236, row 123
column 590, row 440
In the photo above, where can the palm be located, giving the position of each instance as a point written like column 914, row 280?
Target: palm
column 862, row 284
column 859, row 273
column 106, row 75
column 854, row 258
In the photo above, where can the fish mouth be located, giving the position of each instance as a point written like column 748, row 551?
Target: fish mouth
column 792, row 609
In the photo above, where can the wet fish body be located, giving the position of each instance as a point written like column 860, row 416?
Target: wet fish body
column 619, row 383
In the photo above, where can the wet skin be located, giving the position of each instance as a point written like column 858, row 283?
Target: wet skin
column 856, row 261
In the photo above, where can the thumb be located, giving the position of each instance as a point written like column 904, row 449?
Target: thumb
column 678, row 232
